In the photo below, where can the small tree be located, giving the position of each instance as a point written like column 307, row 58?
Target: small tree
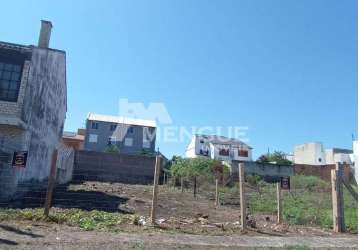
column 112, row 149
column 278, row 157
column 196, row 167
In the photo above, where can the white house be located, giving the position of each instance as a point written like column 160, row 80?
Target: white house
column 218, row 148
column 310, row 154
column 338, row 155
column 355, row 158
column 315, row 154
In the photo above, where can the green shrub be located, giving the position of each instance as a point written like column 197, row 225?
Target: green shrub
column 87, row 220
column 309, row 183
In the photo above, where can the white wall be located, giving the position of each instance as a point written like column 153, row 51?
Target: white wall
column 310, row 154
column 329, row 156
column 355, row 147
column 356, row 167
column 342, row 158
column 355, row 153
column 190, row 150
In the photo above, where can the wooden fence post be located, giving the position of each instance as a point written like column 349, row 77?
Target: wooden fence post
column 279, row 203
column 337, row 199
column 155, row 190
column 51, row 183
column 182, row 184
column 242, row 196
column 195, row 187
column 340, row 169
column 216, row 192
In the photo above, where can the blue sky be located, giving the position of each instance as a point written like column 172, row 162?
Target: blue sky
column 285, row 69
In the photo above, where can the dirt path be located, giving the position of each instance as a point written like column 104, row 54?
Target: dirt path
column 63, row 237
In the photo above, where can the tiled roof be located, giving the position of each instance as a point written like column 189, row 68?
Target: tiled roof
column 73, row 136
column 121, row 120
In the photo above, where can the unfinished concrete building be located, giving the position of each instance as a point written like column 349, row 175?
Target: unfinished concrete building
column 33, row 104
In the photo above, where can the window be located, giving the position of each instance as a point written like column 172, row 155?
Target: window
column 146, row 144
column 131, row 130
column 224, row 152
column 201, row 141
column 128, row 142
column 204, row 152
column 94, row 125
column 111, row 140
column 10, row 79
column 113, row 127
column 93, row 138
column 243, row 153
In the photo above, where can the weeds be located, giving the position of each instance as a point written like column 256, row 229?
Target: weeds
column 308, row 202
column 87, row 220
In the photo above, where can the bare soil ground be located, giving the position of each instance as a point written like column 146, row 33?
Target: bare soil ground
column 182, row 212
column 33, row 236
column 184, row 222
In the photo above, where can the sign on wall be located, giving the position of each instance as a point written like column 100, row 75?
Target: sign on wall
column 285, row 183
column 19, row 159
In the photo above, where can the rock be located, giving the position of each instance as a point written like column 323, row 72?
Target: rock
column 160, row 221
column 142, row 221
column 203, row 220
column 251, row 221
column 236, row 223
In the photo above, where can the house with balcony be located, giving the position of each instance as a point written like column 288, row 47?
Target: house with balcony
column 218, row 148
column 127, row 135
column 33, row 104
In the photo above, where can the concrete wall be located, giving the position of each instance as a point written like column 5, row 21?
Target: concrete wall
column 355, row 147
column 65, row 164
column 104, row 132
column 98, row 166
column 43, row 111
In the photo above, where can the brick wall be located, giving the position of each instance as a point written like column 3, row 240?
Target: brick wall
column 324, row 171
column 98, row 166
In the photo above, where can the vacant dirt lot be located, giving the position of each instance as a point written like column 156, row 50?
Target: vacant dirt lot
column 177, row 211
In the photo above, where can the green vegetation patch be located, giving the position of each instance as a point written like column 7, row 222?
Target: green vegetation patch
column 87, row 220
column 309, row 202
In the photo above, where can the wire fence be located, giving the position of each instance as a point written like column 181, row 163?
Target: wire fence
column 195, row 204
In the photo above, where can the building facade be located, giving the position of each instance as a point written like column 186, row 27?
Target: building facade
column 75, row 140
column 33, row 104
column 315, row 154
column 310, row 154
column 218, row 148
column 128, row 135
column 355, row 159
